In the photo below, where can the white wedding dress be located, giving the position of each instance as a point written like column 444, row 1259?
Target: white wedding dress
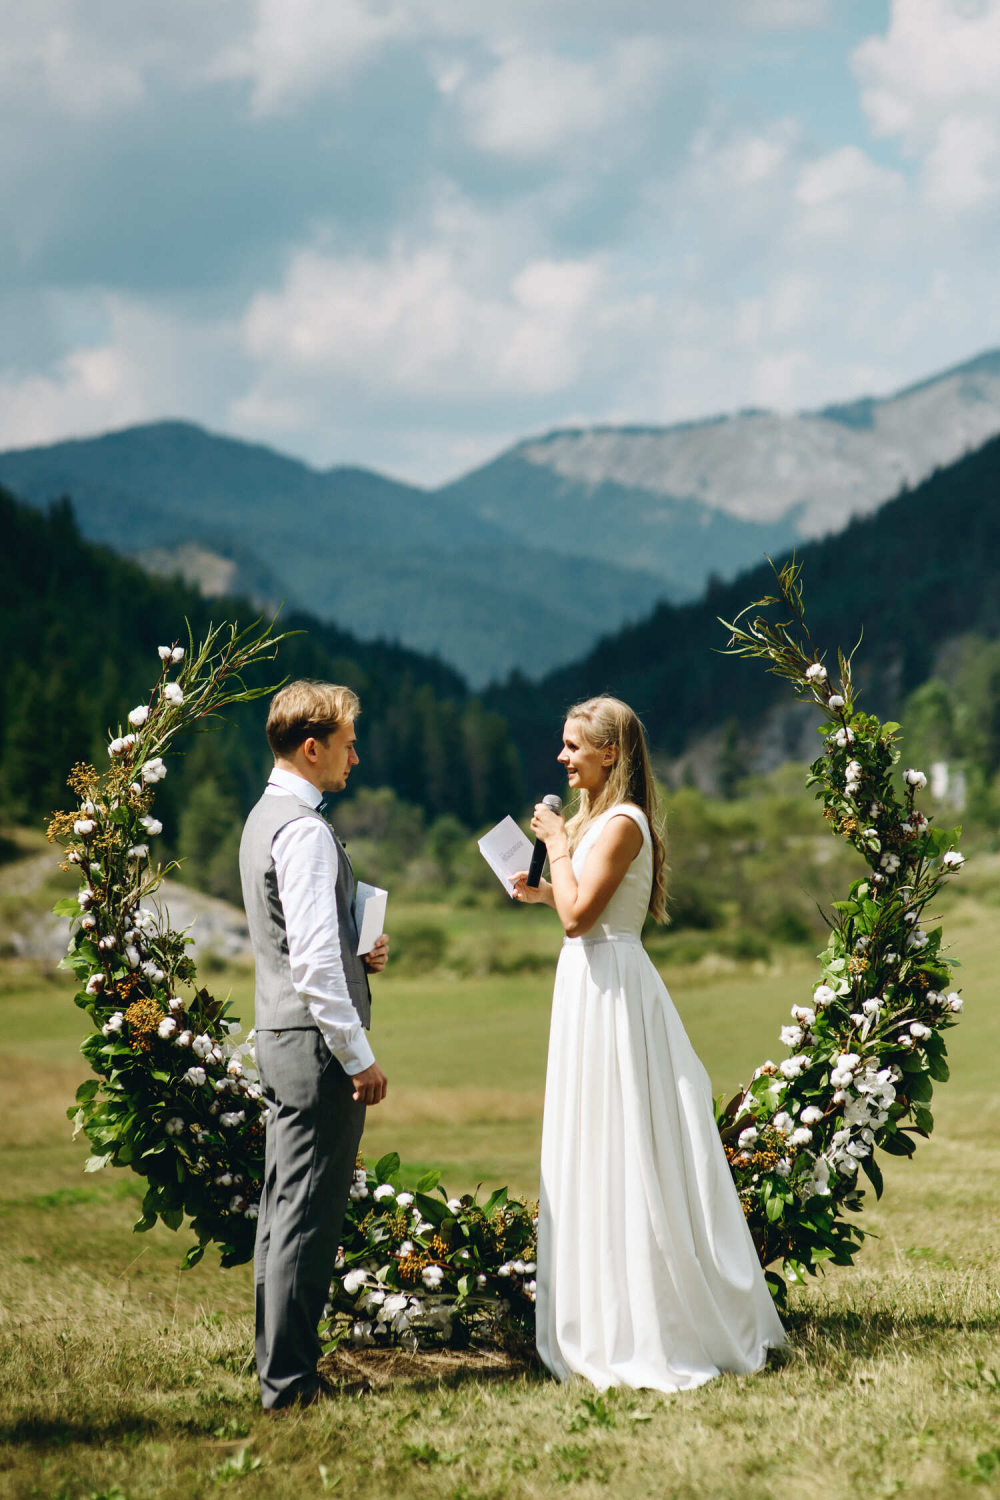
column 647, row 1275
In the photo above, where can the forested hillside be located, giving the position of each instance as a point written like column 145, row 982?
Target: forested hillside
column 922, row 569
column 79, row 628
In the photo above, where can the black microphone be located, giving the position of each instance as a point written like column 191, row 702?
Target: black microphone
column 538, row 853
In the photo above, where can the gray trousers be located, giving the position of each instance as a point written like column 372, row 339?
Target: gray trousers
column 313, row 1134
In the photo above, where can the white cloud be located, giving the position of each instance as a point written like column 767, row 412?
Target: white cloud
column 933, row 81
column 535, row 103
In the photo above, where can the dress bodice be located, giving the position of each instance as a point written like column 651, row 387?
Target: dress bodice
column 626, row 911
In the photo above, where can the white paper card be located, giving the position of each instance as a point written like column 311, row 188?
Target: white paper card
column 369, row 910
column 506, row 850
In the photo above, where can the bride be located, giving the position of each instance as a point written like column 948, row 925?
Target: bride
column 647, row 1275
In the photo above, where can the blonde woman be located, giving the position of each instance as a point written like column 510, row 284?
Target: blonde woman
column 647, row 1275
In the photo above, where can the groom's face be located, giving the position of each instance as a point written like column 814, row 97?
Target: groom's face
column 335, row 758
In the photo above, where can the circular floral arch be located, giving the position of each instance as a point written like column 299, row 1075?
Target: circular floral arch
column 176, row 1096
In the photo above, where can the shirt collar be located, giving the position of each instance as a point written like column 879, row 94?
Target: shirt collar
column 296, row 785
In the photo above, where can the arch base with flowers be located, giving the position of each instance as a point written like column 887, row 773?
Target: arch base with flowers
column 177, row 1099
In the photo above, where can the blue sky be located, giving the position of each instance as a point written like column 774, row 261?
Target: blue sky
column 405, row 233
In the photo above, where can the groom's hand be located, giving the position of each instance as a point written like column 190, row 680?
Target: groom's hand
column 370, row 1086
column 376, row 960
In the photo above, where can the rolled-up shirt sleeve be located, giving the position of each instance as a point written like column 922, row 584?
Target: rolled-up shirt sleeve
column 305, row 863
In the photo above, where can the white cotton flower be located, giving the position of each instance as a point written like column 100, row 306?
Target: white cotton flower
column 354, row 1281
column 800, row 1137
column 174, row 1126
column 803, row 1014
column 915, row 778
column 791, row 1036
column 136, row 788
column 432, row 1277
column 173, row 694
column 185, row 1039
column 835, row 701
column 139, row 851
column 177, row 654
column 811, row 1114
column 84, row 827
column 407, row 1247
column 919, row 1030
column 95, row 985
column 816, row 673
column 906, row 828
column 234, row 1068
column 88, row 921
column 237, row 1203
column 783, row 1123
column 373, row 1299
column 202, row 1045
column 889, row 862
column 395, row 1305
column 953, row 860
column 357, row 1191
column 455, row 1205
column 824, row 995
column 153, row 826
column 505, row 1269
column 848, row 1061
column 917, row 939
column 197, row 1076
column 403, row 1200
column 114, row 1023
column 139, row 715
column 164, row 652
column 844, row 737
column 108, row 943
column 153, row 971
column 748, row 1137
column 232, row 1118
column 385, row 1190
column 132, row 956
column 955, row 1003
column 224, row 1179
column 166, row 1028
column 154, row 770
column 480, row 1279
column 86, row 897
column 783, row 1166
column 175, row 1004
column 252, row 1211
column 792, row 1066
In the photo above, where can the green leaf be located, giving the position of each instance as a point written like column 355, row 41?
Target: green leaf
column 897, row 1144
column 774, row 1208
column 142, row 1224
column 919, row 1087
column 87, row 1090
column 193, row 1256
column 938, row 1069
column 495, row 1200
column 873, row 1172
column 429, row 1182
column 924, row 1119
column 98, row 1163
column 432, row 1209
column 387, row 1166
column 67, row 906
column 172, row 1217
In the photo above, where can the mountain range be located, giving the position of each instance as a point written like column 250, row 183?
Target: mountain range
column 524, row 563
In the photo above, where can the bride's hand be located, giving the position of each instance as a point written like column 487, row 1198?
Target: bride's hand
column 548, row 826
column 524, row 892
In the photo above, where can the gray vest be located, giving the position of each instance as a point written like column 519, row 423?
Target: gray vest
column 277, row 1004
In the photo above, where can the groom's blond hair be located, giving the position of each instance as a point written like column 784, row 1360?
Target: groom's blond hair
column 308, row 708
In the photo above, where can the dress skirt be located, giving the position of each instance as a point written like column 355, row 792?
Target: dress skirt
column 647, row 1274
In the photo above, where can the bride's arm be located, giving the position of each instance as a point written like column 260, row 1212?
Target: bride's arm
column 579, row 905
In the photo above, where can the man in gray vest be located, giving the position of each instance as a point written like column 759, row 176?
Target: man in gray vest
column 312, row 1006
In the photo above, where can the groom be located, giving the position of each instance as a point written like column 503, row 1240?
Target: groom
column 312, row 1006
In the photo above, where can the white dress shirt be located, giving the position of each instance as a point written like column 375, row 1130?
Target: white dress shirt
column 306, row 863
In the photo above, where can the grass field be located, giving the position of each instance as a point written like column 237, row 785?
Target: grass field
column 122, row 1377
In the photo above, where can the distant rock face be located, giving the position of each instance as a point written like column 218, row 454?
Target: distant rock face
column 824, row 466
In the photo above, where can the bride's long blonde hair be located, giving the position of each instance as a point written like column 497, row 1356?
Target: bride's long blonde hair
column 609, row 723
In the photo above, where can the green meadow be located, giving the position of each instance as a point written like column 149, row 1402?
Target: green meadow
column 123, row 1378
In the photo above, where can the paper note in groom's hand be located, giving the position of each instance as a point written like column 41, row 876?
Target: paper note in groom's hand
column 506, row 850
column 369, row 912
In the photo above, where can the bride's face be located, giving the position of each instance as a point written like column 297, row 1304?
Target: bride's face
column 587, row 768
